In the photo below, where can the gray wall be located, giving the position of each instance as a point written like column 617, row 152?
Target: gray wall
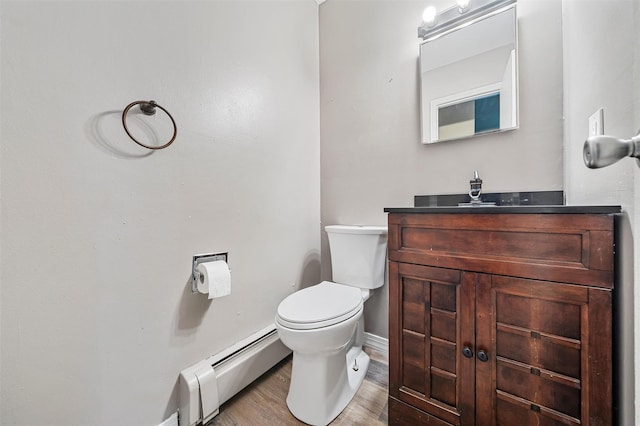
column 371, row 155
column 97, row 237
column 599, row 60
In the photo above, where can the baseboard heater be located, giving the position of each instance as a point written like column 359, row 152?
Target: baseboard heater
column 205, row 386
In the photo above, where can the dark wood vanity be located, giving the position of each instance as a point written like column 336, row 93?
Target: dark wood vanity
column 501, row 315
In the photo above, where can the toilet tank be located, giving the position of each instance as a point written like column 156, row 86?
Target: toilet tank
column 358, row 254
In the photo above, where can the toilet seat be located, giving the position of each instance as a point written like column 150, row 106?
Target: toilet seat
column 319, row 306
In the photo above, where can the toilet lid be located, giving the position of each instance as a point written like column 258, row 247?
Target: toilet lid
column 321, row 305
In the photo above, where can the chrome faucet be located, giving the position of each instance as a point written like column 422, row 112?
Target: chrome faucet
column 474, row 193
column 476, row 187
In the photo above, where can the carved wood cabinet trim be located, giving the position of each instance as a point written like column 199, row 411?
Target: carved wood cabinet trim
column 500, row 319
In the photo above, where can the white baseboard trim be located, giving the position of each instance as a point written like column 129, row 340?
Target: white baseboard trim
column 171, row 421
column 376, row 342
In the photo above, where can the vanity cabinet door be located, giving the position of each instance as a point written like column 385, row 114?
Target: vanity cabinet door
column 550, row 355
column 480, row 349
column 432, row 344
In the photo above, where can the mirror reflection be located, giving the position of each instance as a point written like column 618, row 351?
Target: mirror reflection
column 469, row 79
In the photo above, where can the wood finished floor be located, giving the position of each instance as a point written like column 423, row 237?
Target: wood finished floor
column 263, row 402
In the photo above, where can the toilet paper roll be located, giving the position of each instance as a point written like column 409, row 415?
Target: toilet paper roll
column 215, row 279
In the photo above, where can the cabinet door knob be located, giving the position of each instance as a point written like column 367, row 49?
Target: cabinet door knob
column 467, row 352
column 482, row 356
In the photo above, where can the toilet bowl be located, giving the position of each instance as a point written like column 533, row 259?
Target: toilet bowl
column 322, row 383
column 324, row 327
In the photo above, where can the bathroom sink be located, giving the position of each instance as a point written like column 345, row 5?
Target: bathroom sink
column 535, row 198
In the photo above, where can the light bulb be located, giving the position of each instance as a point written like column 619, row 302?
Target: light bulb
column 463, row 5
column 429, row 16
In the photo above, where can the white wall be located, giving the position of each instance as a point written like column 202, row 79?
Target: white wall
column 371, row 155
column 97, row 237
column 599, row 42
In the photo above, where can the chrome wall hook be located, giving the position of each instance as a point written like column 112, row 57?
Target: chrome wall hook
column 603, row 150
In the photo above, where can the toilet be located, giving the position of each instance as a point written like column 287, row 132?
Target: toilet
column 324, row 327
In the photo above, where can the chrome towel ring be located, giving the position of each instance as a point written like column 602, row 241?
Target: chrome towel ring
column 149, row 108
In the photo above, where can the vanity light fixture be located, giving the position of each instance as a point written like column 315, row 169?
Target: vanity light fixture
column 463, row 5
column 429, row 16
column 461, row 14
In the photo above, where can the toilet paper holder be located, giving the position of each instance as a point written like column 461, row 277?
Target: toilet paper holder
column 202, row 258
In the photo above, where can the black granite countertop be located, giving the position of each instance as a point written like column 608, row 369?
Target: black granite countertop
column 538, row 209
column 528, row 198
column 545, row 202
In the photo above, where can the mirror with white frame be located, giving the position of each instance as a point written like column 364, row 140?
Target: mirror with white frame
column 469, row 77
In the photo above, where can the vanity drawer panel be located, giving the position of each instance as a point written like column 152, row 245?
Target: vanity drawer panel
column 568, row 248
column 517, row 411
column 540, row 306
column 541, row 387
column 496, row 243
column 557, row 318
column 539, row 350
